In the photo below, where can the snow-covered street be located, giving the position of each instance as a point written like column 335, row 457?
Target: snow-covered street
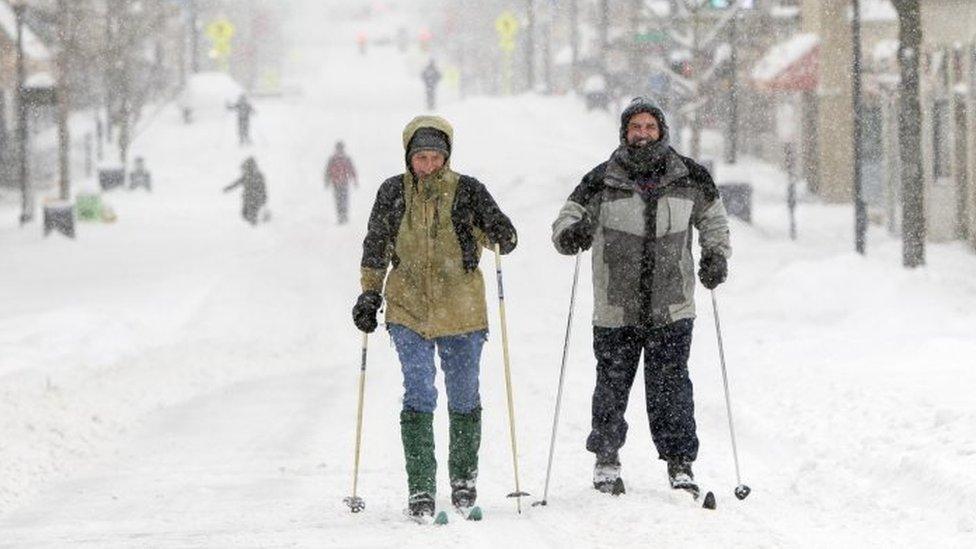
column 181, row 379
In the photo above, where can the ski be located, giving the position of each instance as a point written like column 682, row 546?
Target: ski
column 470, row 513
column 439, row 519
column 708, row 502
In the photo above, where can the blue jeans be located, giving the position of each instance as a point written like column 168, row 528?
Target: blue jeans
column 460, row 360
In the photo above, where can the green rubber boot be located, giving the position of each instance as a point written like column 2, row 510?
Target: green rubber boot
column 463, row 459
column 417, row 433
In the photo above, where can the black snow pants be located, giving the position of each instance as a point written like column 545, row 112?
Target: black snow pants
column 670, row 403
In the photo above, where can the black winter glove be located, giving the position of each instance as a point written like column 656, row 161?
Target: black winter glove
column 505, row 237
column 712, row 270
column 364, row 312
column 577, row 237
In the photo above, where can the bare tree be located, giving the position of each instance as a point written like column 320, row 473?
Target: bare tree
column 910, row 133
column 694, row 28
column 132, row 63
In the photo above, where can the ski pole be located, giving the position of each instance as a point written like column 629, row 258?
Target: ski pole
column 356, row 503
column 562, row 377
column 518, row 493
column 741, row 490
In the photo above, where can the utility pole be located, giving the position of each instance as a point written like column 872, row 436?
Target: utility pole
column 574, row 41
column 547, row 48
column 604, row 36
column 26, row 206
column 910, row 132
column 732, row 142
column 636, row 69
column 66, row 38
column 530, row 45
column 110, row 70
column 124, row 35
column 860, row 210
column 194, row 38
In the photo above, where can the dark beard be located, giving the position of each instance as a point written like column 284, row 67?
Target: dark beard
column 644, row 160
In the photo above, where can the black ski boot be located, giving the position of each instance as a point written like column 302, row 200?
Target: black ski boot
column 606, row 475
column 421, row 506
column 463, row 495
column 681, row 477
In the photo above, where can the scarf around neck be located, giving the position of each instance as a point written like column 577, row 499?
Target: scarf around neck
column 638, row 161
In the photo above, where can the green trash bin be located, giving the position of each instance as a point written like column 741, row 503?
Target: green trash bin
column 89, row 207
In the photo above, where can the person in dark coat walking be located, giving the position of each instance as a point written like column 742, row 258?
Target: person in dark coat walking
column 255, row 191
column 339, row 172
column 244, row 111
column 637, row 211
column 431, row 77
column 140, row 176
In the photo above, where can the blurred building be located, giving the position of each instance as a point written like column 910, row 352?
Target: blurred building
column 948, row 90
column 810, row 72
column 38, row 67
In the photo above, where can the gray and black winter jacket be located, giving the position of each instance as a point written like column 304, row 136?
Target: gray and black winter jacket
column 643, row 269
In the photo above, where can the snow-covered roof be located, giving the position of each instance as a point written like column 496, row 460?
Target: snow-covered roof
column 33, row 47
column 880, row 11
column 781, row 56
column 785, row 12
column 40, row 80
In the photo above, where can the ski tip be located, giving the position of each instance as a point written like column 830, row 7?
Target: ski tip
column 441, row 518
column 709, row 501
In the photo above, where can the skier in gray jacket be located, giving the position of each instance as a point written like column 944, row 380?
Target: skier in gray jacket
column 637, row 211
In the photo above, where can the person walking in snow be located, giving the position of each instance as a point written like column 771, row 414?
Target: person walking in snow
column 431, row 77
column 244, row 111
column 422, row 249
column 637, row 211
column 255, row 190
column 140, row 176
column 339, row 172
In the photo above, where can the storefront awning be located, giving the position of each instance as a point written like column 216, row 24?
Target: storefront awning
column 790, row 66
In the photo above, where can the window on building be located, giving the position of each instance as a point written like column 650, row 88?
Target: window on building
column 941, row 126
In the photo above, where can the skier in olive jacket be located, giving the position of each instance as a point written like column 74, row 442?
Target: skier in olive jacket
column 637, row 211
column 421, row 251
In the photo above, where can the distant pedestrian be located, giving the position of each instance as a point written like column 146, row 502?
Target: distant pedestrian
column 255, row 190
column 431, row 77
column 244, row 111
column 339, row 172
column 362, row 41
column 140, row 176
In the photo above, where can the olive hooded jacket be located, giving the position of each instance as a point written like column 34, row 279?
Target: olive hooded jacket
column 424, row 241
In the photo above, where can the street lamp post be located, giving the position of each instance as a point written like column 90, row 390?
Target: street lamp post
column 26, row 208
column 860, row 209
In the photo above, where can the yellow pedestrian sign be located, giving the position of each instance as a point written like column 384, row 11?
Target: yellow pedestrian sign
column 220, row 31
column 507, row 26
